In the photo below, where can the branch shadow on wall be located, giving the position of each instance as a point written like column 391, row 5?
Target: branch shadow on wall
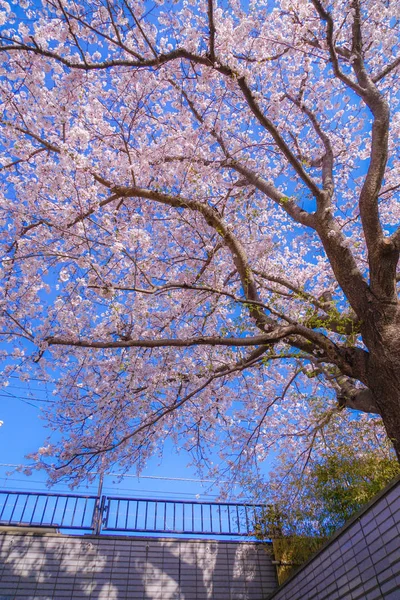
column 110, row 568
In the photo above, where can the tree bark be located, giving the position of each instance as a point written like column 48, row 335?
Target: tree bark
column 381, row 334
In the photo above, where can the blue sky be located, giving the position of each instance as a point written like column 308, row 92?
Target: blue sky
column 23, row 431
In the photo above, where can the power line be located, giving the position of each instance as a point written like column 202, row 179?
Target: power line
column 30, row 378
column 167, row 478
column 157, row 477
column 110, row 490
column 33, row 398
column 23, row 387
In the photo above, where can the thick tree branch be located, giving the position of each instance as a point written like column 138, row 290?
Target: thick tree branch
column 185, row 286
column 211, row 26
column 379, row 142
column 381, row 261
column 395, row 239
column 327, row 18
column 287, row 204
column 326, row 306
column 214, row 220
column 252, row 178
column 343, row 262
column 328, row 350
column 274, row 336
column 355, row 398
column 388, row 69
column 277, row 137
column 327, row 159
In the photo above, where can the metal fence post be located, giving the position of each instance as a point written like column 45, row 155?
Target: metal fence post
column 98, row 515
column 99, row 506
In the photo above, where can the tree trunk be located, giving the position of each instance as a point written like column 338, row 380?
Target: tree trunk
column 386, row 390
column 381, row 333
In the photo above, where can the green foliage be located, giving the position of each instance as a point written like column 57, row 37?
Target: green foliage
column 314, row 505
column 333, row 320
column 331, row 490
column 341, row 486
column 291, row 552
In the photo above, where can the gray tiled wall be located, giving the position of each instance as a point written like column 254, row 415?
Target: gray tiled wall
column 47, row 566
column 362, row 562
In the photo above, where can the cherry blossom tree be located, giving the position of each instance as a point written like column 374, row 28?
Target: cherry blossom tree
column 199, row 214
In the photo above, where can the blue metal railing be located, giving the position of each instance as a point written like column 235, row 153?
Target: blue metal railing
column 65, row 511
column 177, row 516
column 107, row 514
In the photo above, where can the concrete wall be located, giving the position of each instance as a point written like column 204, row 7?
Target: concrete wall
column 361, row 562
column 47, row 566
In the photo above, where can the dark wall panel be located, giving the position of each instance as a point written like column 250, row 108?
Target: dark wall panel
column 361, row 562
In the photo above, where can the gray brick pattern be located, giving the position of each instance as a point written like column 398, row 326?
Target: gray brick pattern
column 47, row 566
column 361, row 563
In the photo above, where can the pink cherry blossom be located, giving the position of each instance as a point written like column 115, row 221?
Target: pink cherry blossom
column 199, row 223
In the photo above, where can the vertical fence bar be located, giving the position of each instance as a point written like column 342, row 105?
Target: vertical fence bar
column 23, row 511
column 54, row 510
column 74, row 511
column 127, row 514
column 137, row 513
column 34, row 509
column 84, row 512
column 145, row 514
column 117, row 516
column 63, row 515
column 4, row 507
column 44, row 510
column 15, row 506
column 247, row 519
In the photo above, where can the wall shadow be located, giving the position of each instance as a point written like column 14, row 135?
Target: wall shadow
column 47, row 566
